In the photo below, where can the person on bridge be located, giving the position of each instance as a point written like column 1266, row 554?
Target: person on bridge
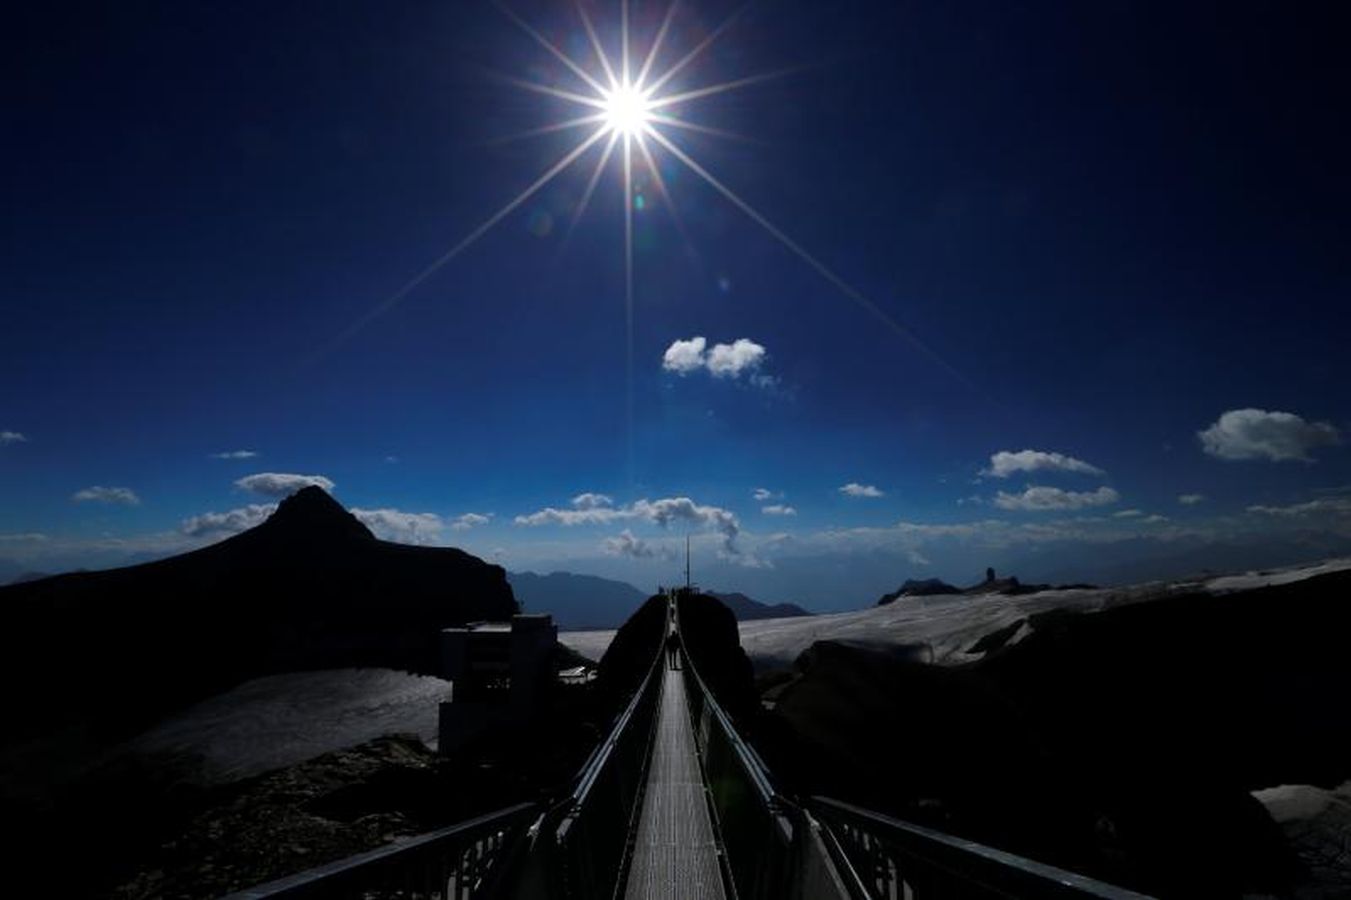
column 673, row 649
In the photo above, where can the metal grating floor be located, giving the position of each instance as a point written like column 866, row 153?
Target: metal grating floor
column 674, row 854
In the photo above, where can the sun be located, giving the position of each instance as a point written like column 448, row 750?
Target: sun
column 628, row 110
column 631, row 111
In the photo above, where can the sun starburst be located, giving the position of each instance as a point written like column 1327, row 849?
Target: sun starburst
column 628, row 110
column 634, row 111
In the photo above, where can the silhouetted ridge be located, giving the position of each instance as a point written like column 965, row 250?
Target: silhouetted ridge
column 310, row 588
column 311, row 515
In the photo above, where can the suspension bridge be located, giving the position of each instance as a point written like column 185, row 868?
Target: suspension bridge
column 674, row 803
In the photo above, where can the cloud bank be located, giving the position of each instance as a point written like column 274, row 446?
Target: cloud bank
column 1006, row 462
column 469, row 520
column 281, row 484
column 661, row 512
column 1038, row 498
column 1242, row 434
column 235, row 454
column 401, row 527
column 213, row 524
column 854, row 489
column 119, row 496
column 627, row 544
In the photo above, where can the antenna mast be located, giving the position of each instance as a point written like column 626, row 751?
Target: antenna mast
column 687, row 562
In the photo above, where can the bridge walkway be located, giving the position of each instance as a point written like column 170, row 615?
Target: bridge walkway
column 675, row 853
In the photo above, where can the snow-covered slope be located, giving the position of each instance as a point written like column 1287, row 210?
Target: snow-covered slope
column 950, row 624
column 280, row 720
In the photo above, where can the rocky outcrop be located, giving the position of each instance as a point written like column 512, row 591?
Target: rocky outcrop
column 1124, row 743
column 922, row 587
column 713, row 644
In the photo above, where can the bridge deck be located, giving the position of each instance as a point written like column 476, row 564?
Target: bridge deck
column 675, row 853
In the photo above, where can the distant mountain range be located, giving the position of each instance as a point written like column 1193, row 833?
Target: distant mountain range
column 588, row 602
column 577, row 602
column 746, row 610
column 309, row 588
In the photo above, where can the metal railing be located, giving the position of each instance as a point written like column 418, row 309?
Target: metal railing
column 572, row 849
column 823, row 848
column 897, row 859
column 458, row 862
column 773, row 847
column 592, row 827
column 754, row 823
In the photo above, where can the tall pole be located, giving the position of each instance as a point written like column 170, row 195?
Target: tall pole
column 687, row 562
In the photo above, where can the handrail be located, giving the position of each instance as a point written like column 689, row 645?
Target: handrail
column 928, row 862
column 461, row 853
column 750, row 760
column 595, row 763
column 464, row 860
column 588, row 831
column 760, row 838
column 824, row 847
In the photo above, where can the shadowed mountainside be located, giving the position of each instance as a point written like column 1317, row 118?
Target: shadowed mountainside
column 1123, row 743
column 746, row 610
column 310, row 588
column 577, row 601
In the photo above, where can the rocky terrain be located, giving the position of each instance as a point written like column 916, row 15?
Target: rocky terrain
column 129, row 692
column 1135, row 742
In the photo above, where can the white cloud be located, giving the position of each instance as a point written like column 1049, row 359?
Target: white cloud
column 1128, row 514
column 401, row 527
column 741, row 357
column 1190, row 499
column 12, row 437
column 661, row 512
column 553, row 516
column 1154, row 519
column 591, row 501
column 626, row 544
column 23, row 537
column 232, row 521
column 96, row 494
column 1325, row 506
column 235, row 454
column 779, row 509
column 763, row 494
column 854, row 489
column 730, row 360
column 1259, row 434
column 1038, row 498
column 1006, row 462
column 684, row 356
column 281, row 484
column 470, row 520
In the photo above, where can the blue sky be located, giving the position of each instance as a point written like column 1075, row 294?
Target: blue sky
column 1107, row 226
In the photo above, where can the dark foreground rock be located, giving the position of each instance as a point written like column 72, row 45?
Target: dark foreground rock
column 310, row 588
column 1124, row 743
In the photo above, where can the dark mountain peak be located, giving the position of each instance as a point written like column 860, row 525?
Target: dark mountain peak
column 311, row 514
column 919, row 587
